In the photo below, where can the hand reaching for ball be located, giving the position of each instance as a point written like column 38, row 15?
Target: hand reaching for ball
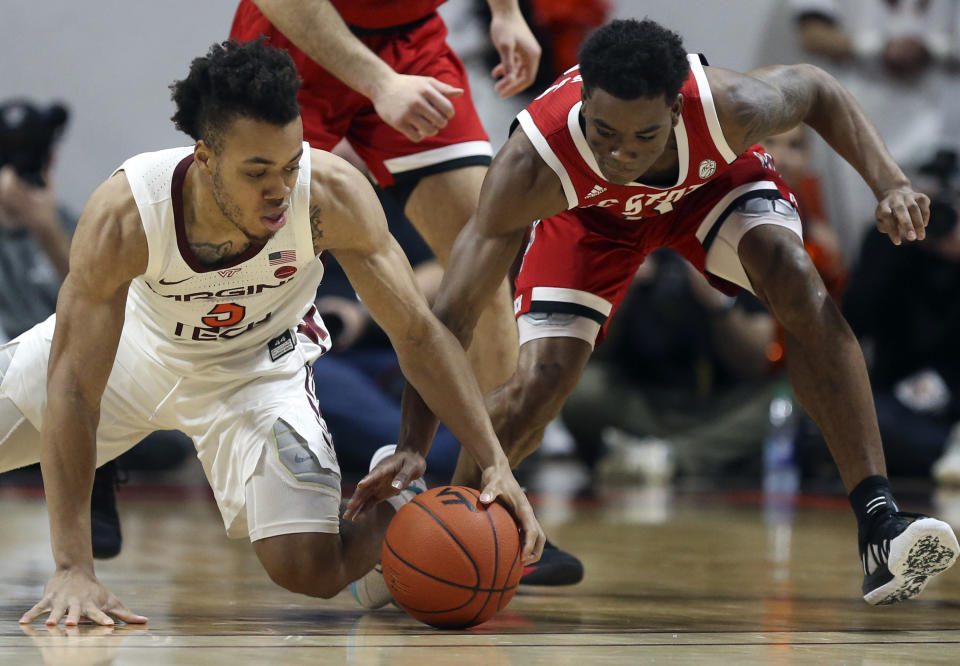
column 396, row 472
column 387, row 479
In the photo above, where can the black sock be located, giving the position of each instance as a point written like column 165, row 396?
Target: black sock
column 870, row 496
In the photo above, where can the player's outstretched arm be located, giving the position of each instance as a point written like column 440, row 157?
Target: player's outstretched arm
column 109, row 249
column 518, row 189
column 416, row 106
column 346, row 210
column 774, row 99
column 518, row 48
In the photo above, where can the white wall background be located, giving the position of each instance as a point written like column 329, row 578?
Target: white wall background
column 112, row 61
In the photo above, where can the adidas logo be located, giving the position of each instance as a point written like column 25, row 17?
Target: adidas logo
column 595, row 191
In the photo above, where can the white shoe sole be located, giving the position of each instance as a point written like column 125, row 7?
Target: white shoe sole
column 926, row 548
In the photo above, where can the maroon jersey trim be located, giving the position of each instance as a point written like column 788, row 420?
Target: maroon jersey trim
column 176, row 189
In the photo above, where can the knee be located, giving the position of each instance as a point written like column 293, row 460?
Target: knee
column 788, row 283
column 540, row 389
column 300, row 570
column 305, row 580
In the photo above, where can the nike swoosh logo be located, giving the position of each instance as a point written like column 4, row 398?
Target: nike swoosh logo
column 162, row 281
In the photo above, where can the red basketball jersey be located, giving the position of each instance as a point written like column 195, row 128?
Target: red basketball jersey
column 552, row 123
column 585, row 257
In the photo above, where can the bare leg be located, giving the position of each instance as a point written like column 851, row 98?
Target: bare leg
column 439, row 207
column 825, row 362
column 547, row 372
column 319, row 564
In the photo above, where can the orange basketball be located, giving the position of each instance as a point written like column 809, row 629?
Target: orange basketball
column 451, row 561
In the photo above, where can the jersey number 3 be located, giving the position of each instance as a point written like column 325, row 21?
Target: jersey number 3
column 224, row 314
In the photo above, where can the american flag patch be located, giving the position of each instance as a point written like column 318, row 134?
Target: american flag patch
column 282, row 257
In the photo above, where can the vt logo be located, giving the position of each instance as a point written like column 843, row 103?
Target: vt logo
column 229, row 272
column 456, row 497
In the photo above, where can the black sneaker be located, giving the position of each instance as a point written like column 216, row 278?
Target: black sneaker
column 104, row 521
column 901, row 552
column 556, row 567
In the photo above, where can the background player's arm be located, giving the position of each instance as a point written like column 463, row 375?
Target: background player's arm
column 347, row 219
column 416, row 106
column 109, row 249
column 771, row 100
column 517, row 47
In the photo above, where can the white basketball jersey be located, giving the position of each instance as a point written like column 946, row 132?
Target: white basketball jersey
column 247, row 317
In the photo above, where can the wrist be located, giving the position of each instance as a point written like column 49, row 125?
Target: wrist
column 896, row 183
column 501, row 8
column 74, row 565
column 379, row 81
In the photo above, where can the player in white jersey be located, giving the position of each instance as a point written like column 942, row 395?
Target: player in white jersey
column 189, row 305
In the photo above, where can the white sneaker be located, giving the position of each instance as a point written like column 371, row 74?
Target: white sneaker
column 901, row 552
column 371, row 590
column 631, row 459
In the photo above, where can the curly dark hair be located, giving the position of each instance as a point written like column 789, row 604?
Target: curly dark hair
column 249, row 79
column 631, row 59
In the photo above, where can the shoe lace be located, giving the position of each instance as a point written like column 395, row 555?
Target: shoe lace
column 883, row 525
column 907, row 514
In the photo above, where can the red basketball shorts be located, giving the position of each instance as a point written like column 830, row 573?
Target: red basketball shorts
column 579, row 264
column 331, row 110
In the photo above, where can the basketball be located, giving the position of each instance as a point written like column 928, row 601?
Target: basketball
column 450, row 561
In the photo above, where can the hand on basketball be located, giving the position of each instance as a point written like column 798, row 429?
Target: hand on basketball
column 500, row 482
column 519, row 53
column 78, row 594
column 385, row 480
column 903, row 214
column 415, row 106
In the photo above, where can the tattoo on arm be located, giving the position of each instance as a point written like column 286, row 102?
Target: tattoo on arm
column 779, row 103
column 315, row 221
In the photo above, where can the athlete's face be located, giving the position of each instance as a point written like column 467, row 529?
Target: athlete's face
column 254, row 174
column 627, row 136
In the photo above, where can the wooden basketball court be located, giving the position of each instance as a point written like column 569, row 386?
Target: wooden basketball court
column 673, row 576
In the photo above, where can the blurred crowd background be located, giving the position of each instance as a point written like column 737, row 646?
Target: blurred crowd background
column 688, row 388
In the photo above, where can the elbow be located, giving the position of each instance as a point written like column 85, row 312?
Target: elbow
column 824, row 96
column 421, row 335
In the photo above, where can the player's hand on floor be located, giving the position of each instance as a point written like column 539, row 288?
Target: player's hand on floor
column 415, row 106
column 76, row 594
column 392, row 475
column 903, row 214
column 501, row 483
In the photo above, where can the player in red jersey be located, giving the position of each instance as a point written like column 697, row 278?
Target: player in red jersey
column 643, row 147
column 380, row 74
